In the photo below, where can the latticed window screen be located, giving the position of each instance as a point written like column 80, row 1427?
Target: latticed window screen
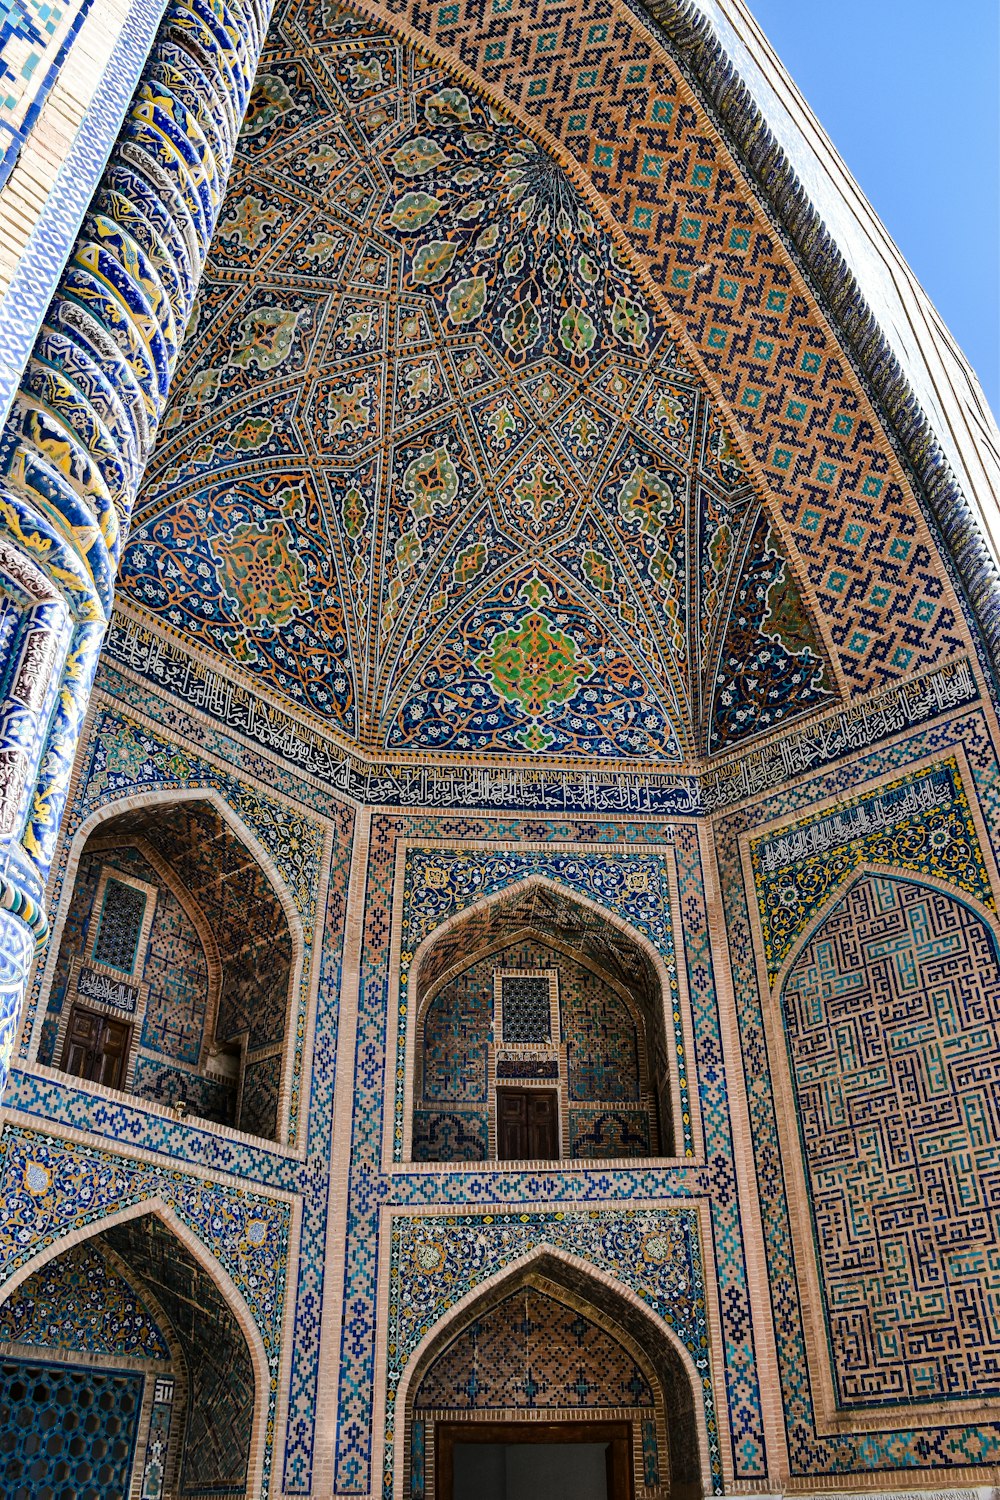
column 526, row 1012
column 65, row 1431
column 122, row 912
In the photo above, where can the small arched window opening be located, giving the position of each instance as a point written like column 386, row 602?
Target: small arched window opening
column 174, row 966
column 541, row 1036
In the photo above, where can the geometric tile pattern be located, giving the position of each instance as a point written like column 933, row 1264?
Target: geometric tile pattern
column 464, row 859
column 123, row 759
column 34, row 40
column 133, row 753
column 655, row 1252
column 53, row 1186
column 250, row 932
column 923, row 1436
column 58, row 1423
column 892, row 1020
column 605, row 1055
column 79, row 1301
column 530, row 1352
column 465, row 492
column 440, row 882
column 606, row 94
column 920, row 822
column 220, row 1404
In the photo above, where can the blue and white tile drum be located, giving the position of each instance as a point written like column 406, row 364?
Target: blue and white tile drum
column 85, row 419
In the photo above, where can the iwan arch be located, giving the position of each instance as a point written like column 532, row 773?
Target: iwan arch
column 498, row 748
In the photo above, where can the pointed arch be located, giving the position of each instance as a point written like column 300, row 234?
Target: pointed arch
column 863, row 871
column 273, row 887
column 620, row 1312
column 882, row 1027
column 235, row 1303
column 494, row 922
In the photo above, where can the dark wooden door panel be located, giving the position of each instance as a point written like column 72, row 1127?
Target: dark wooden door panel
column 527, row 1125
column 96, row 1048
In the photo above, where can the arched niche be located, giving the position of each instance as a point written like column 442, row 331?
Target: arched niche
column 174, row 966
column 541, row 1034
column 126, row 1369
column 889, row 1015
column 555, row 1344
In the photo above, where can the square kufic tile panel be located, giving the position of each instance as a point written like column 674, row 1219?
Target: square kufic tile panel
column 922, row 825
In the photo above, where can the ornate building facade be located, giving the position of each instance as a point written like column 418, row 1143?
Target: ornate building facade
column 499, row 785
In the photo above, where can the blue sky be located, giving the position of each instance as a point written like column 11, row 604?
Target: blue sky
column 909, row 93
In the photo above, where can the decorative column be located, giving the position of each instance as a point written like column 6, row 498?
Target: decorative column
column 84, row 423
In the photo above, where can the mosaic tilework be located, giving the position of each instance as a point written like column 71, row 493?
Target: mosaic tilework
column 289, row 818
column 249, row 932
column 176, row 967
column 656, row 1252
column 486, row 356
column 34, row 40
column 545, row 1348
column 158, row 1441
column 220, row 1405
column 80, row 1301
column 207, row 1098
column 921, row 822
column 892, row 1019
column 52, row 1187
column 123, row 759
column 240, row 905
column 596, row 1133
column 929, row 1439
column 603, row 1051
column 90, row 1418
column 434, row 899
column 613, row 100
column 38, row 269
column 440, row 882
column 530, row 1352
column 84, row 418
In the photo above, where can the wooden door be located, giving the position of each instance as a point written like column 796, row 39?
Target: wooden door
column 527, row 1125
column 96, row 1048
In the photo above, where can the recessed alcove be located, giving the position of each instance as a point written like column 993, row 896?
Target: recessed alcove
column 174, row 967
column 124, row 1371
column 541, row 1036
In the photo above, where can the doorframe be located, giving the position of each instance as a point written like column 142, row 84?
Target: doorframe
column 618, row 1435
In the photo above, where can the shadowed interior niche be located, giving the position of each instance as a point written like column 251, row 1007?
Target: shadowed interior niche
column 555, row 1345
column 174, row 967
column 123, row 1371
column 541, row 1035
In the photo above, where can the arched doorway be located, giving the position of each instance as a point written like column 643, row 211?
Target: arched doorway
column 174, row 967
column 552, row 1383
column 541, row 1035
column 124, row 1371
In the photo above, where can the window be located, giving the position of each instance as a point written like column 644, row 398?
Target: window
column 526, row 1009
column 120, row 926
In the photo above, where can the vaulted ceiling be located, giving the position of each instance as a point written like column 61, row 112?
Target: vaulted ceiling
column 441, row 469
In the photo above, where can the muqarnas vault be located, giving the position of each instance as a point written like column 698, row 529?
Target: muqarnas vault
column 498, row 773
